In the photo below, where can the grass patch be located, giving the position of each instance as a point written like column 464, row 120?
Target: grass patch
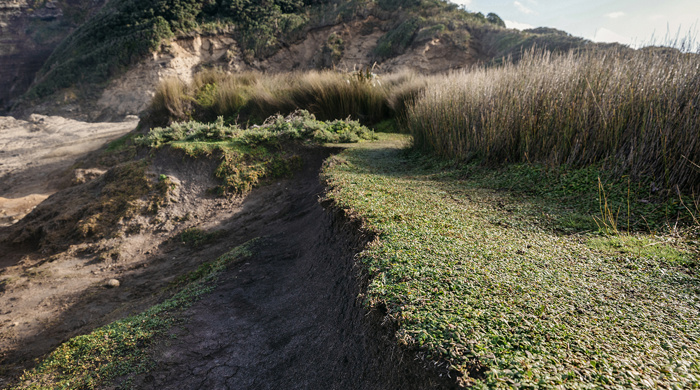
column 481, row 280
column 659, row 249
column 594, row 195
column 250, row 155
column 253, row 97
column 120, row 348
column 196, row 238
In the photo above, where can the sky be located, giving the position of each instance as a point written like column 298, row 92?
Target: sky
column 632, row 22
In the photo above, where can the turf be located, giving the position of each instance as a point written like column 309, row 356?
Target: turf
column 483, row 281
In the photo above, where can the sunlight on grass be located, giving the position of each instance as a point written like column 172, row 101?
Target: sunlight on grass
column 480, row 279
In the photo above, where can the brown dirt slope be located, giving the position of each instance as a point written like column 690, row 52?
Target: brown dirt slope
column 35, row 154
column 289, row 317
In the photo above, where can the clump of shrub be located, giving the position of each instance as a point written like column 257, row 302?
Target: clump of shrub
column 196, row 238
column 249, row 155
column 332, row 51
column 395, row 41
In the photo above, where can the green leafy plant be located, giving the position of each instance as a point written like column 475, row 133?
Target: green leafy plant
column 476, row 277
column 250, row 155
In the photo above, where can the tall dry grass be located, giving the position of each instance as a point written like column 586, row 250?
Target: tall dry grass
column 637, row 111
column 254, row 96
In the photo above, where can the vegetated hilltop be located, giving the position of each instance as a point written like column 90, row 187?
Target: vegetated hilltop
column 29, row 31
column 115, row 60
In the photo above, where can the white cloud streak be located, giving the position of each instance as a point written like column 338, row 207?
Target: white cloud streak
column 606, row 35
column 517, row 25
column 522, row 8
column 615, row 15
column 465, row 3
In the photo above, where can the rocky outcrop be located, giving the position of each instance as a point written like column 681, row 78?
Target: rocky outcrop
column 29, row 32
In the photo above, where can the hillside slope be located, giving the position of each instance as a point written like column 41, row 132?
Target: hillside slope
column 29, row 31
column 112, row 63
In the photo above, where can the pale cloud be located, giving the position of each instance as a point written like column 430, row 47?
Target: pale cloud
column 615, row 15
column 518, row 25
column 465, row 3
column 605, row 35
column 522, row 8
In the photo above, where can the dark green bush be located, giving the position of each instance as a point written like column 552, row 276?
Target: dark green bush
column 397, row 40
column 495, row 19
column 124, row 31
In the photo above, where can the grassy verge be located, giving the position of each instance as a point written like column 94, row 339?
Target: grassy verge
column 121, row 348
column 250, row 155
column 483, row 280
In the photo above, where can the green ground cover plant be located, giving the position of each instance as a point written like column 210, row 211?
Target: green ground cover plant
column 196, row 238
column 594, row 193
column 250, row 155
column 480, row 278
column 90, row 361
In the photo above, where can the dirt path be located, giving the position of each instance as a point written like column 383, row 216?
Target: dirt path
column 289, row 317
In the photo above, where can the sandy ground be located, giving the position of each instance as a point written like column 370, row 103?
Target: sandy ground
column 34, row 153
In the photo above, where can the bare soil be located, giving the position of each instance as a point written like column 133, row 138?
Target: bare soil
column 289, row 317
column 36, row 152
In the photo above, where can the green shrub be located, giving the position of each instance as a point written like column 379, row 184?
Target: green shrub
column 251, row 155
column 332, row 51
column 495, row 19
column 397, row 40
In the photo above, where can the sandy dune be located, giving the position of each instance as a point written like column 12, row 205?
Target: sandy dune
column 34, row 152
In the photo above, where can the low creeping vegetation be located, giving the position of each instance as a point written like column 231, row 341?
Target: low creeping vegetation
column 249, row 155
column 482, row 279
column 121, row 348
column 196, row 238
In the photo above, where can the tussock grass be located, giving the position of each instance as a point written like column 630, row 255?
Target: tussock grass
column 480, row 280
column 637, row 112
column 254, row 97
